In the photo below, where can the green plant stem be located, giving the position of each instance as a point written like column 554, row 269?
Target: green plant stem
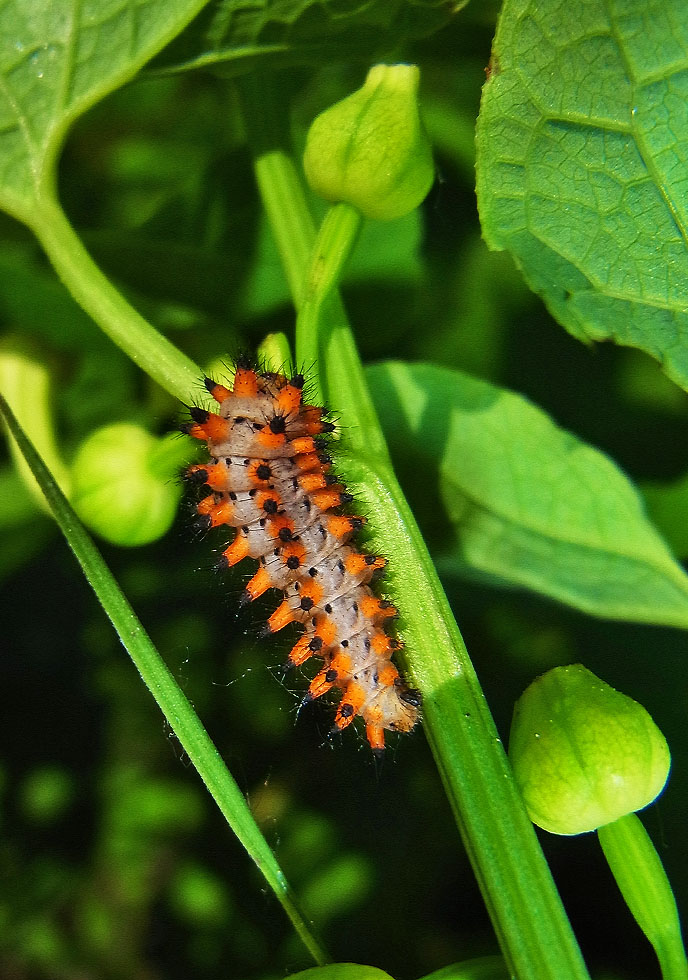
column 642, row 880
column 284, row 200
column 295, row 233
column 519, row 892
column 148, row 348
column 171, row 699
column 333, row 245
column 275, row 353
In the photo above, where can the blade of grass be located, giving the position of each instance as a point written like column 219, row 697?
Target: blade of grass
column 515, row 880
column 175, row 707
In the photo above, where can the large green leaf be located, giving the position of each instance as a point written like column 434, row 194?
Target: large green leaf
column 582, row 165
column 57, row 59
column 525, row 501
column 266, row 34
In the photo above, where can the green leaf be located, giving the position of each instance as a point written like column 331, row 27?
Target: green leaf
column 582, row 147
column 667, row 505
column 341, row 971
column 55, row 62
column 480, row 968
column 237, row 37
column 523, row 500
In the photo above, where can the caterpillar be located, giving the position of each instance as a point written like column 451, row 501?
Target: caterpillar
column 270, row 479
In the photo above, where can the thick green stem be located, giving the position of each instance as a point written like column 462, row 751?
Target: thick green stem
column 277, row 179
column 153, row 353
column 642, row 880
column 518, row 889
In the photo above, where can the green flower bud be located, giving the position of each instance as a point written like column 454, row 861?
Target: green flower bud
column 125, row 484
column 370, row 149
column 583, row 754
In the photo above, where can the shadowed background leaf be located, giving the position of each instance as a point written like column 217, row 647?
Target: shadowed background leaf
column 55, row 61
column 524, row 501
column 232, row 38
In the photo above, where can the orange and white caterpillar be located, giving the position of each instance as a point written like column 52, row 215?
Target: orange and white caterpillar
column 269, row 479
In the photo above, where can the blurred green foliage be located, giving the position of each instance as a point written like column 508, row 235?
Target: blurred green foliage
column 113, row 862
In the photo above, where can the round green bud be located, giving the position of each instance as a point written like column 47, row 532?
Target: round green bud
column 583, row 754
column 125, row 483
column 370, row 149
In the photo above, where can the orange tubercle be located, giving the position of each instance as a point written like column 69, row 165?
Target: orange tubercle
column 295, row 551
column 342, row 526
column 222, row 513
column 289, row 399
column 217, row 428
column 303, row 445
column 217, row 391
column 259, row 584
column 310, row 482
column 388, row 675
column 382, row 645
column 206, row 505
column 217, row 476
column 376, row 737
column 357, row 564
column 268, row 501
column 245, row 383
column 322, row 682
column 280, row 522
column 197, row 431
column 310, row 461
column 281, row 617
column 310, row 590
column 237, row 550
column 350, row 705
column 269, row 439
column 374, row 608
column 301, row 651
column 328, row 498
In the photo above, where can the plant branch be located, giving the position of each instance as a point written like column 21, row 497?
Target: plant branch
column 519, row 892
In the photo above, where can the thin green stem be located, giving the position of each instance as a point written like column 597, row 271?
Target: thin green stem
column 171, row 699
column 518, row 889
column 152, row 352
column 642, row 880
column 295, row 232
column 332, row 248
column 284, row 199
